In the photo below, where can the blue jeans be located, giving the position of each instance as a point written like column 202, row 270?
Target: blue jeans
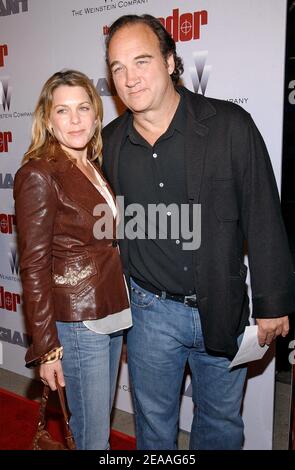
column 165, row 335
column 90, row 365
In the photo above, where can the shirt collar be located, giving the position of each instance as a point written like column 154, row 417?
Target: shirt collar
column 178, row 123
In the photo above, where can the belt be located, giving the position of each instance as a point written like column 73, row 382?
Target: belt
column 189, row 300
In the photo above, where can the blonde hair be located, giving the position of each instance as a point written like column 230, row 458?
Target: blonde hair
column 43, row 142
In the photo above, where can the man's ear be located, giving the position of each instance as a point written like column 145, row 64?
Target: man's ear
column 170, row 63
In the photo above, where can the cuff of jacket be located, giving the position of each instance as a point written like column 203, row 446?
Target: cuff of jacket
column 274, row 306
column 34, row 359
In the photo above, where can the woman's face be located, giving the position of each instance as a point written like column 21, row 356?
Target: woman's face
column 72, row 119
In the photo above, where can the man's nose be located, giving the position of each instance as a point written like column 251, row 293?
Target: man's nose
column 131, row 77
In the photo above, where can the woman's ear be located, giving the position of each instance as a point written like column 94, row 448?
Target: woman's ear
column 50, row 128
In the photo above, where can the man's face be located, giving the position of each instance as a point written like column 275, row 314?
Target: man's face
column 140, row 73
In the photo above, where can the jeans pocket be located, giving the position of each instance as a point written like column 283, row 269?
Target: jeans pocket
column 141, row 297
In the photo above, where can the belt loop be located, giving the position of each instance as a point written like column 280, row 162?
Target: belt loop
column 163, row 295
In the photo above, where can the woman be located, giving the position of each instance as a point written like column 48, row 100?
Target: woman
column 75, row 299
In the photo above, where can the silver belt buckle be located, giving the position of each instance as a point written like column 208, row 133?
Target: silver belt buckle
column 190, row 300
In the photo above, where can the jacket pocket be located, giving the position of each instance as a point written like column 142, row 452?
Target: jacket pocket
column 225, row 200
column 73, row 272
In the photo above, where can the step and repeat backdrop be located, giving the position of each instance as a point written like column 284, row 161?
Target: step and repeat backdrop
column 232, row 49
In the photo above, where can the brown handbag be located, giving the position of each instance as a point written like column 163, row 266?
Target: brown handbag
column 42, row 439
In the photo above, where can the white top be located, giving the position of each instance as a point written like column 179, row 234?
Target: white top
column 120, row 320
column 102, row 188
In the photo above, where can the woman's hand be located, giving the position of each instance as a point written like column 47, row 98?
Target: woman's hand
column 48, row 371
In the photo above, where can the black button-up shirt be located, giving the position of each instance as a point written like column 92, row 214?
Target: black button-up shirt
column 152, row 175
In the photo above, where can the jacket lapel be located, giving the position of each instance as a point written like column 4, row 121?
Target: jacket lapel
column 196, row 139
column 75, row 184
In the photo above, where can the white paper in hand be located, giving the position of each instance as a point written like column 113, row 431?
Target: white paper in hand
column 250, row 350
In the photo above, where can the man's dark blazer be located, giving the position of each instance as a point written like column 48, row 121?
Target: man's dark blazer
column 228, row 172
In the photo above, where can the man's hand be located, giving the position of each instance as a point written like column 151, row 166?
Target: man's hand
column 48, row 371
column 270, row 328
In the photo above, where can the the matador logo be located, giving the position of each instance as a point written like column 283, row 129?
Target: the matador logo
column 200, row 73
column 3, row 53
column 5, row 93
column 185, row 26
column 5, row 140
column 9, row 300
column 7, row 223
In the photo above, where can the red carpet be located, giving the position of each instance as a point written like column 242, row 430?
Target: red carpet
column 18, row 422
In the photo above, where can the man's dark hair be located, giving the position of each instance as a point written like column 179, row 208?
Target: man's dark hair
column 167, row 43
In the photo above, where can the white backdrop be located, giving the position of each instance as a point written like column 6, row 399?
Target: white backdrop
column 232, row 49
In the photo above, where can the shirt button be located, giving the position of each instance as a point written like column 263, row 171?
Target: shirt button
column 169, row 213
column 185, row 268
column 177, row 242
column 161, row 185
column 155, row 155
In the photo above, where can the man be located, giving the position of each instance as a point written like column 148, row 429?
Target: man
column 190, row 303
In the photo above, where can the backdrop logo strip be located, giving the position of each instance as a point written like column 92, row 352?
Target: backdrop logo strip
column 14, row 337
column 6, row 181
column 12, row 7
column 5, row 93
column 13, row 260
column 200, row 74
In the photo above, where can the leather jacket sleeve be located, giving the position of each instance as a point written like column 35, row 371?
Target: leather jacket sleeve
column 35, row 206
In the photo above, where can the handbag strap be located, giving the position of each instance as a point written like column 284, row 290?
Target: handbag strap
column 42, row 411
column 68, row 433
column 42, row 414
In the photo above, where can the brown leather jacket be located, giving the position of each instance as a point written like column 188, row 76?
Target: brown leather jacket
column 67, row 274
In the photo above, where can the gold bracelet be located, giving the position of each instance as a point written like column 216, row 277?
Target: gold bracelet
column 51, row 356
